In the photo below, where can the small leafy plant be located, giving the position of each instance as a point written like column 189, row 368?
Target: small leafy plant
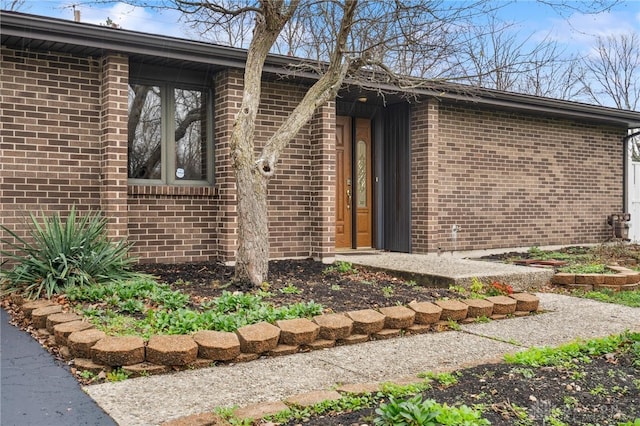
column 418, row 412
column 290, row 289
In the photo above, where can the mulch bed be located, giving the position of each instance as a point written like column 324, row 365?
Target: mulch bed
column 337, row 292
column 603, row 392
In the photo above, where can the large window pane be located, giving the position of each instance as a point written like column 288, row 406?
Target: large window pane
column 145, row 132
column 190, row 134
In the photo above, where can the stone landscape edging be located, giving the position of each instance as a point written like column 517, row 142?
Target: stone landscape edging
column 92, row 350
column 624, row 279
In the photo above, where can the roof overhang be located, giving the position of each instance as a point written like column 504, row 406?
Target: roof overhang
column 41, row 33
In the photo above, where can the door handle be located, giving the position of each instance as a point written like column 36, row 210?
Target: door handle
column 348, row 198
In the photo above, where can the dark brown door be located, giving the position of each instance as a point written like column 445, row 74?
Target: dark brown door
column 353, row 183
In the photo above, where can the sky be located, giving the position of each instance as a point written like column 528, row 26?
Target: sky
column 573, row 30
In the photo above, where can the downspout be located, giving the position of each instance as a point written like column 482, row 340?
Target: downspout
column 625, row 168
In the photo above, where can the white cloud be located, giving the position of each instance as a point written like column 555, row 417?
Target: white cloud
column 579, row 30
column 165, row 22
column 129, row 17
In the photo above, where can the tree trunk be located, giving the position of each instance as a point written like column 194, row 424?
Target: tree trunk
column 252, row 260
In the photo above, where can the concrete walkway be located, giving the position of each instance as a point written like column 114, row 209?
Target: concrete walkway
column 449, row 269
column 152, row 400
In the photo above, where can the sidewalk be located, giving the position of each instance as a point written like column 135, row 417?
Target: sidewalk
column 152, row 400
column 36, row 389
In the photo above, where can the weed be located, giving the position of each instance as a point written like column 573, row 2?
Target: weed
column 453, row 325
column 476, row 286
column 336, row 287
column 482, row 319
column 341, row 267
column 458, row 289
column 445, row 379
column 527, row 373
column 290, row 289
column 87, row 375
column 570, row 401
column 387, row 291
column 591, row 268
column 566, row 355
column 117, row 375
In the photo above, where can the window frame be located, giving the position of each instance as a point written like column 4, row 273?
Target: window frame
column 168, row 80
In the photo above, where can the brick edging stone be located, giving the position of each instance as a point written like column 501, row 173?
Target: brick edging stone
column 92, row 349
column 622, row 280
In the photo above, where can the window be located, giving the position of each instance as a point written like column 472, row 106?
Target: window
column 170, row 134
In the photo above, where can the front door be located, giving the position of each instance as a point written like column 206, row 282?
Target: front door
column 353, row 183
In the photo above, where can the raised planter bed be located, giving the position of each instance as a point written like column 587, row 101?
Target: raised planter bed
column 623, row 279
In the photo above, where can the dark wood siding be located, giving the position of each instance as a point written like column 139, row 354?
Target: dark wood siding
column 396, row 163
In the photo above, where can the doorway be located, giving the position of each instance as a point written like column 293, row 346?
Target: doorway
column 354, row 194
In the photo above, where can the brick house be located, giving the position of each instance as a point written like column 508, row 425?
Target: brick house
column 137, row 125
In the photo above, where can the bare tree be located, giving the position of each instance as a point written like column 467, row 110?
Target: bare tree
column 367, row 42
column 496, row 56
column 14, row 5
column 613, row 71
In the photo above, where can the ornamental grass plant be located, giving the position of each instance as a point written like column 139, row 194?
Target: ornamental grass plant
column 63, row 252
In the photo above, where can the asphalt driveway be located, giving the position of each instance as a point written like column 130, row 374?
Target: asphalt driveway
column 36, row 389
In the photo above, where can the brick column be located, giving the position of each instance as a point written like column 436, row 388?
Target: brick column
column 433, row 177
column 113, row 138
column 323, row 183
column 424, row 177
column 228, row 98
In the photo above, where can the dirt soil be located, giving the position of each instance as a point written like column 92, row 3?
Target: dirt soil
column 292, row 281
column 603, row 392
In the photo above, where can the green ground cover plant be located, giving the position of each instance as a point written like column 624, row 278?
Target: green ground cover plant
column 144, row 307
column 627, row 298
column 61, row 253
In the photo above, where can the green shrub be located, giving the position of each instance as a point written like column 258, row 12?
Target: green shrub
column 62, row 253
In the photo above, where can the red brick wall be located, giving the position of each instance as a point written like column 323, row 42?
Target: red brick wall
column 50, row 147
column 510, row 180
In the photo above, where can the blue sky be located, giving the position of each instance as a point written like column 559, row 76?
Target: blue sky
column 573, row 30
